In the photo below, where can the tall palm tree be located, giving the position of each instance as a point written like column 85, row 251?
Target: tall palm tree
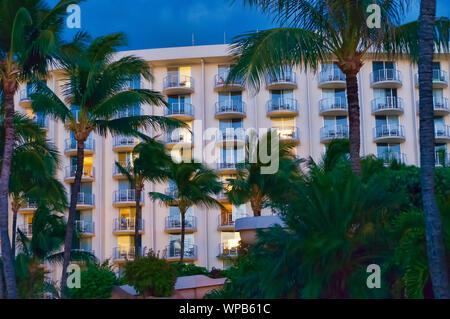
column 251, row 185
column 149, row 165
column 29, row 33
column 98, row 85
column 434, row 236
column 194, row 185
column 318, row 31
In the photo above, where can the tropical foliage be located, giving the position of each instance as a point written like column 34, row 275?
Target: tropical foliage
column 97, row 282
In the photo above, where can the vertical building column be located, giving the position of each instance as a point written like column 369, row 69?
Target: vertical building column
column 415, row 108
column 361, row 111
column 203, row 106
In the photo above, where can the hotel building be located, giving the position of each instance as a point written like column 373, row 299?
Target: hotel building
column 304, row 106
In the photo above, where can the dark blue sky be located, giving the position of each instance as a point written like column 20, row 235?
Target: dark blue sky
column 168, row 23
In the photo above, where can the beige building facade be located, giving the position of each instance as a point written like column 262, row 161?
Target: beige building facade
column 304, row 106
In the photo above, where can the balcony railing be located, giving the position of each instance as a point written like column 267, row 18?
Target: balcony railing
column 178, row 81
column 226, row 166
column 385, row 75
column 230, row 107
column 333, row 132
column 71, row 145
column 190, row 251
column 282, row 104
column 132, row 111
column 286, row 77
column 26, row 229
column 184, row 109
column 126, row 196
column 226, row 250
column 221, row 80
column 127, row 225
column 387, row 103
column 226, row 220
column 88, row 172
column 440, row 103
column 442, row 131
column 287, row 133
column 41, row 121
column 386, row 131
column 442, row 159
column 85, row 199
column 438, row 76
column 116, row 171
column 29, row 205
column 85, row 227
column 231, row 135
column 125, row 141
column 335, row 103
column 331, row 75
column 125, row 253
column 389, row 157
column 174, row 223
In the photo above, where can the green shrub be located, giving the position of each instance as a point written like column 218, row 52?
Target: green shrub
column 190, row 270
column 151, row 275
column 97, row 282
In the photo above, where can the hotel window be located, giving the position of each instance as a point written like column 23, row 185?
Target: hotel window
column 386, row 121
column 126, row 157
column 175, row 245
column 385, row 149
column 332, row 122
column 179, row 76
column 232, row 155
column 383, row 65
column 439, row 125
column 385, row 93
column 175, row 215
column 125, row 243
column 230, row 99
column 88, row 166
column 334, row 94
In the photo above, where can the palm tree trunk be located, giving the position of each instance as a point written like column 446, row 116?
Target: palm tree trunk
column 72, row 214
column 354, row 121
column 183, row 229
column 434, row 238
column 14, row 231
column 138, row 223
column 9, row 89
column 2, row 294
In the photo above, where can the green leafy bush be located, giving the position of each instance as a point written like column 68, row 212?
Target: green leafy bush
column 184, row 270
column 151, row 275
column 97, row 282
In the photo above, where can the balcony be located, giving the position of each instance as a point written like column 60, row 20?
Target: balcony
column 173, row 225
column 231, row 137
column 85, row 201
column 117, row 174
column 70, row 147
column 124, row 254
column 288, row 134
column 440, row 79
column 127, row 226
column 226, row 168
column 225, row 251
column 126, row 198
column 42, row 122
column 178, row 84
column 230, row 110
column 222, row 85
column 28, row 207
column 173, row 253
column 329, row 133
column 390, row 157
column 85, row 228
column 440, row 106
column 222, row 197
column 179, row 137
column 226, row 222
column 388, row 105
column 171, row 191
column 389, row 134
column 88, row 174
column 282, row 107
column 124, row 143
column 282, row 81
column 442, row 134
column 181, row 111
column 442, row 159
column 25, row 98
column 333, row 106
column 132, row 111
column 27, row 230
column 385, row 78
column 332, row 79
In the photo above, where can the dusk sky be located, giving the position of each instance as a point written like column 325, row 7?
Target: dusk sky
column 167, row 23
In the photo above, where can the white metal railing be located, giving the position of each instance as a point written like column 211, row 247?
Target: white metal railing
column 221, row 79
column 389, row 157
column 226, row 165
column 178, row 136
column 125, row 165
column 126, row 253
column 226, row 220
column 85, row 227
column 442, row 158
column 287, row 132
column 384, row 75
column 389, row 130
column 25, row 94
column 230, row 107
column 88, row 171
column 331, row 75
column 334, row 132
column 174, row 223
column 28, row 205
column 126, row 195
column 442, row 131
column 71, row 145
column 180, row 109
column 332, row 103
column 26, row 229
column 440, row 103
column 127, row 224
column 226, row 250
column 125, row 141
column 282, row 104
column 387, row 103
column 173, row 251
column 285, row 76
column 85, row 199
column 231, row 135
column 178, row 81
column 132, row 111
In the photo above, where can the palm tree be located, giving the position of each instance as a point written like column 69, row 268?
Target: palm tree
column 434, row 236
column 29, row 33
column 149, row 165
column 251, row 185
column 319, row 31
column 97, row 86
column 194, row 185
